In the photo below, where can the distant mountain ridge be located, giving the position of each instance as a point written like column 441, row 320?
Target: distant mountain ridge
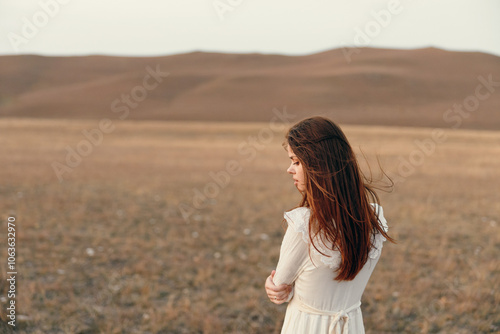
column 422, row 87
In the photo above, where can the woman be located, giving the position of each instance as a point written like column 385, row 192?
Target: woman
column 334, row 238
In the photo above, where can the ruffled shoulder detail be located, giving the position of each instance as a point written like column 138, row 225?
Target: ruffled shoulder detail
column 298, row 220
column 378, row 240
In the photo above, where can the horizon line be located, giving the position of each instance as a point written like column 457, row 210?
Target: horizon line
column 288, row 54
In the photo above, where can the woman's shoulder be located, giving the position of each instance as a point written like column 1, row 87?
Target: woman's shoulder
column 379, row 211
column 298, row 218
column 378, row 239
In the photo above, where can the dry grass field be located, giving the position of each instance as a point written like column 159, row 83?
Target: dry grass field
column 108, row 249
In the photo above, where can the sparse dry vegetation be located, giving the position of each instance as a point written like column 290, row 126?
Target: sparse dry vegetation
column 108, row 251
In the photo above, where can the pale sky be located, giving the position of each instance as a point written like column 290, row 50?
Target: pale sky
column 294, row 27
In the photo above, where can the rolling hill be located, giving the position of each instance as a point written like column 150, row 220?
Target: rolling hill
column 379, row 86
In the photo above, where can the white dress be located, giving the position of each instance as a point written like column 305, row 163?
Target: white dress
column 319, row 304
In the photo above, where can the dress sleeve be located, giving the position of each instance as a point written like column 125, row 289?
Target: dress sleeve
column 293, row 254
column 378, row 240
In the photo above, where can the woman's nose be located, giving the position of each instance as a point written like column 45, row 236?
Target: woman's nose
column 290, row 170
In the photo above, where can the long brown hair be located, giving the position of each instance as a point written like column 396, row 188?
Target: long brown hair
column 337, row 193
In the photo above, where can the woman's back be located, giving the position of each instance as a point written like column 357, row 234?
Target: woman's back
column 334, row 238
column 318, row 300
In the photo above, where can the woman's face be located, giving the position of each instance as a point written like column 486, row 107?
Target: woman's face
column 296, row 171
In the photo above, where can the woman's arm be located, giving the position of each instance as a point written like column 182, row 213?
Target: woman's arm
column 294, row 251
column 293, row 254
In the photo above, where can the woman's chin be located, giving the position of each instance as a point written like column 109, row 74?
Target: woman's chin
column 300, row 188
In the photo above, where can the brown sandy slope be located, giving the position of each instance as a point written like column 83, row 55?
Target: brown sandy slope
column 379, row 86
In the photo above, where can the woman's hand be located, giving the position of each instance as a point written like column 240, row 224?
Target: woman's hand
column 277, row 294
